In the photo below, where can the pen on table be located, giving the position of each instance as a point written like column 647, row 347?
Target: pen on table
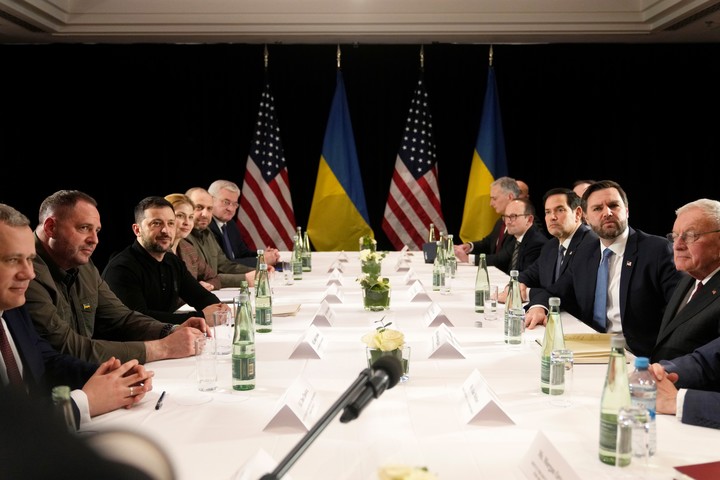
column 160, row 401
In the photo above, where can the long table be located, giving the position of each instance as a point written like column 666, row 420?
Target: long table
column 420, row 422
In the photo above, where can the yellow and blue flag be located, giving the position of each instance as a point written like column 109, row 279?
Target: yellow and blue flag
column 338, row 215
column 488, row 164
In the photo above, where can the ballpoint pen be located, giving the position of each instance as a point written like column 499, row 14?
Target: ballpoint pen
column 160, row 401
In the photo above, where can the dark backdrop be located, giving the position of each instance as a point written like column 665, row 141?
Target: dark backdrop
column 121, row 122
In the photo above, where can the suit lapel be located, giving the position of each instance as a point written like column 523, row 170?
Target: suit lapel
column 674, row 318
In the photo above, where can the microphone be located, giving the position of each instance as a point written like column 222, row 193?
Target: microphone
column 386, row 372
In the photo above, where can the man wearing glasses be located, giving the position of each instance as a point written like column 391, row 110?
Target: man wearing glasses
column 692, row 317
column 621, row 283
column 527, row 239
column 225, row 204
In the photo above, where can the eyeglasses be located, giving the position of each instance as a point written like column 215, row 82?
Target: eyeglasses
column 513, row 217
column 687, row 237
column 228, row 203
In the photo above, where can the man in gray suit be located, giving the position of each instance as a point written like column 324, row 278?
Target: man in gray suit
column 692, row 316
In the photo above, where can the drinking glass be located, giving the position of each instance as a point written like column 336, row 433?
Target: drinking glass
column 561, row 377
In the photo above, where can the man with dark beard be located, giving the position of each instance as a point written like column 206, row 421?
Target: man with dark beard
column 149, row 278
column 621, row 283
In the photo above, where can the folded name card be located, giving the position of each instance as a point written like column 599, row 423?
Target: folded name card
column 310, row 345
column 417, row 293
column 544, row 460
column 325, row 316
column 257, row 466
column 335, row 278
column 402, row 265
column 333, row 295
column 410, row 277
column 336, row 265
column 342, row 257
column 444, row 344
column 480, row 404
column 434, row 316
column 295, row 410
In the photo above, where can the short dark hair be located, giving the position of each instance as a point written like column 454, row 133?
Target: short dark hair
column 61, row 201
column 573, row 200
column 602, row 185
column 150, row 202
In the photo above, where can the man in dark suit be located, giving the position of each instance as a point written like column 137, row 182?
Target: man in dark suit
column 29, row 362
column 225, row 204
column 698, row 374
column 564, row 221
column 640, row 275
column 502, row 191
column 692, row 317
column 527, row 240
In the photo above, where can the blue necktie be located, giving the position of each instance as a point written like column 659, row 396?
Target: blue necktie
column 600, row 306
column 228, row 248
column 559, row 261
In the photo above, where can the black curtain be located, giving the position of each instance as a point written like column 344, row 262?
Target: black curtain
column 121, row 122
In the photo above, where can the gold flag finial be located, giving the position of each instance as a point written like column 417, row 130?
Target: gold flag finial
column 490, row 55
column 338, row 56
column 422, row 58
column 266, row 56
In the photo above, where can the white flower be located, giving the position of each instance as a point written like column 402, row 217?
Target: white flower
column 384, row 339
column 403, row 472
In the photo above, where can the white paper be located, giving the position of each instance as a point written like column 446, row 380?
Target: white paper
column 434, row 316
column 333, row 295
column 543, row 461
column 335, row 278
column 310, row 345
column 295, row 409
column 480, row 405
column 325, row 315
column 409, row 278
column 336, row 265
column 444, row 344
column 402, row 265
column 417, row 293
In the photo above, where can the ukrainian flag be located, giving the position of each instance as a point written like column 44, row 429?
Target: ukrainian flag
column 338, row 215
column 488, row 164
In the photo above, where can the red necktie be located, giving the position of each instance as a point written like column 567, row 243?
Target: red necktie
column 13, row 372
column 500, row 238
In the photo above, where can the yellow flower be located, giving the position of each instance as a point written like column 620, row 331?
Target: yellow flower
column 384, row 339
column 403, row 472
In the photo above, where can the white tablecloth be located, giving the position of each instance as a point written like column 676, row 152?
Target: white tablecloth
column 420, row 422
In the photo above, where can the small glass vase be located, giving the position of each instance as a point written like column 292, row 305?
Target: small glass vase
column 376, row 301
column 367, row 243
column 402, row 354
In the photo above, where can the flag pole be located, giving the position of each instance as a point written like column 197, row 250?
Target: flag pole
column 490, row 56
column 422, row 58
column 338, row 56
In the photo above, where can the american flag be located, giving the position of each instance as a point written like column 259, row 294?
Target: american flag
column 414, row 199
column 266, row 215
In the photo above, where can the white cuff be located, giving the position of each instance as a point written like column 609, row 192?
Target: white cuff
column 81, row 400
column 679, row 402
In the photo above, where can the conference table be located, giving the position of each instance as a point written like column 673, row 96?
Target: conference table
column 424, row 421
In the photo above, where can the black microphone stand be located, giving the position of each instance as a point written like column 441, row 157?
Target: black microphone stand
column 347, row 397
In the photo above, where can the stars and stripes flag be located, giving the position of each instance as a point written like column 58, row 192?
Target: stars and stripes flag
column 414, row 199
column 266, row 216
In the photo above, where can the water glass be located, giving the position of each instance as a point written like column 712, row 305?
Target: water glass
column 515, row 327
column 222, row 331
column 288, row 273
column 633, row 433
column 561, row 377
column 490, row 305
column 446, row 287
column 206, row 363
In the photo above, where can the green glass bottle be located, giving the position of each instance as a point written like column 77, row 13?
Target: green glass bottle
column 260, row 259
column 553, row 339
column 514, row 316
column 450, row 257
column 482, row 284
column 63, row 407
column 243, row 346
column 306, row 253
column 615, row 395
column 438, row 272
column 263, row 301
column 296, row 258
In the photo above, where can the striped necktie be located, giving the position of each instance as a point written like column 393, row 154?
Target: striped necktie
column 11, row 366
column 559, row 261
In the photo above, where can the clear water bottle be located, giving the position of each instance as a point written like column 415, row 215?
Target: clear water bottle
column 482, row 284
column 243, row 346
column 615, row 395
column 514, row 312
column 643, row 393
column 450, row 257
column 263, row 301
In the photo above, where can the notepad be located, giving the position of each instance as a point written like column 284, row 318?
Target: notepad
column 589, row 347
column 285, row 310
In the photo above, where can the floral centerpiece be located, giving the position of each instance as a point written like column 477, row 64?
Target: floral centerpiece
column 367, row 243
column 387, row 341
column 376, row 289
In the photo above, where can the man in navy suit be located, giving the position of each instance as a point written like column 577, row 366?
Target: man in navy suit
column 519, row 218
column 692, row 317
column 32, row 365
column 225, row 204
column 564, row 221
column 641, row 275
column 502, row 191
column 697, row 375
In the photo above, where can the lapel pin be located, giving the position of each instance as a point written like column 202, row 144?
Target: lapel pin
column 628, row 263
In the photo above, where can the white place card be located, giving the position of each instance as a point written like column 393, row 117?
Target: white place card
column 417, row 293
column 335, row 278
column 342, row 257
column 336, row 265
column 257, row 466
column 480, row 405
column 402, row 265
column 325, row 315
column 434, row 316
column 333, row 295
column 410, row 277
column 310, row 345
column 295, row 410
column 543, row 460
column 444, row 344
